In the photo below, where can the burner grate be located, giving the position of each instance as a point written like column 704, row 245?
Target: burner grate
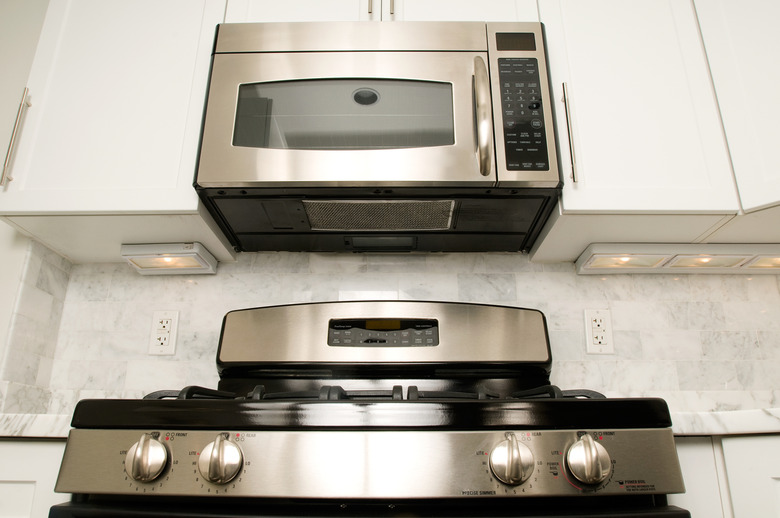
column 338, row 393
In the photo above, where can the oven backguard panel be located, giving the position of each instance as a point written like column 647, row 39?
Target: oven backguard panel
column 465, row 334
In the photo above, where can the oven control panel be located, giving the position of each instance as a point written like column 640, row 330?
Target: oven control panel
column 383, row 332
column 371, row 464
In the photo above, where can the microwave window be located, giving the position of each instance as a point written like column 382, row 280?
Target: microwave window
column 338, row 114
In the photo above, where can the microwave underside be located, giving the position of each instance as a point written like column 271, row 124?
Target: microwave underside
column 380, row 220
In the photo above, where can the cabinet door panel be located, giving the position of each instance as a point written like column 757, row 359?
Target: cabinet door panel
column 697, row 460
column 20, row 26
column 27, row 477
column 753, row 468
column 117, row 91
column 742, row 41
column 461, row 10
column 644, row 122
column 247, row 11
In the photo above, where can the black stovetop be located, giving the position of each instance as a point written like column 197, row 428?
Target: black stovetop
column 333, row 407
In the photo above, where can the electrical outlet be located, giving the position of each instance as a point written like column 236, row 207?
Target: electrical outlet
column 598, row 331
column 163, row 337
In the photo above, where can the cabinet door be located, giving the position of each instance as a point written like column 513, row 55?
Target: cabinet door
column 117, row 90
column 244, row 11
column 742, row 40
column 643, row 118
column 753, row 470
column 27, row 477
column 20, row 26
column 700, row 473
column 460, row 10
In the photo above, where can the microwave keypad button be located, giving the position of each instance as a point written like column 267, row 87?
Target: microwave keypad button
column 522, row 110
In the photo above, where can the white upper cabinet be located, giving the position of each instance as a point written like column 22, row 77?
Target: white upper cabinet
column 245, row 11
column 642, row 114
column 117, row 91
column 380, row 10
column 742, row 43
column 461, row 10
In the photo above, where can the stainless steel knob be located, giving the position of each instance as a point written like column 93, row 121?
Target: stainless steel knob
column 511, row 461
column 589, row 461
column 146, row 459
column 220, row 461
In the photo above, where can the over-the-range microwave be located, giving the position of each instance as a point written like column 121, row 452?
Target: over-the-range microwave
column 379, row 136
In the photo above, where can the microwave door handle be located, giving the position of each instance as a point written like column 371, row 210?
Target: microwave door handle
column 484, row 122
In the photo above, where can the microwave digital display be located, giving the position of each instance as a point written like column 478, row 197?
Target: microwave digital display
column 515, row 41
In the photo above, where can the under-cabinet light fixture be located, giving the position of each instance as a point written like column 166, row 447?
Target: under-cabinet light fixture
column 674, row 258
column 169, row 258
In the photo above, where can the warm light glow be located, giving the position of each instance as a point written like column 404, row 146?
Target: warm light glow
column 166, row 262
column 625, row 261
column 710, row 261
column 169, row 258
column 765, row 262
column 679, row 258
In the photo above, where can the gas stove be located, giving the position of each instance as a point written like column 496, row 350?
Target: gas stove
column 422, row 408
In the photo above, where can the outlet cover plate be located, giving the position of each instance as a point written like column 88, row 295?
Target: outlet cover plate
column 162, row 340
column 598, row 332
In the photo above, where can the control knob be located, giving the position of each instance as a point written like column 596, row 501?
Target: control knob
column 146, row 459
column 220, row 461
column 511, row 461
column 589, row 461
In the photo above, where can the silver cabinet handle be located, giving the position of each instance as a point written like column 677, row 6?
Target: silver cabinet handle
column 392, row 7
column 483, row 115
column 5, row 178
column 570, row 131
column 370, row 6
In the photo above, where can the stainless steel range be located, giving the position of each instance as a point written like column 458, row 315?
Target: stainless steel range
column 390, row 408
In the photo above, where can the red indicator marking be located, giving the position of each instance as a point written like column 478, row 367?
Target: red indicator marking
column 166, row 438
column 601, row 437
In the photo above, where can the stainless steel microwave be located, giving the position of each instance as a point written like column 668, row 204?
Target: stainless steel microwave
column 379, row 136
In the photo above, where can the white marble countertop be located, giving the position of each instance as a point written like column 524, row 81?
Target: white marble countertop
column 735, row 422
column 34, row 425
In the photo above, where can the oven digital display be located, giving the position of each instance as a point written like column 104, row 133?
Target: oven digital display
column 383, row 325
column 383, row 332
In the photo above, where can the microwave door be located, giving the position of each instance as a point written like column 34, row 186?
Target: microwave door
column 348, row 119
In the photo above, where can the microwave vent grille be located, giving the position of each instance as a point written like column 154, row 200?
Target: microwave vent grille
column 380, row 215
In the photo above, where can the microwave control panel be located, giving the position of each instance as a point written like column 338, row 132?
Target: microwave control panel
column 525, row 139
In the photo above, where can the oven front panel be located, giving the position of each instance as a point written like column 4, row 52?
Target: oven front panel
column 367, row 465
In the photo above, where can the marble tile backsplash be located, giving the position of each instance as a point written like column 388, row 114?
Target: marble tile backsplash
column 32, row 338
column 703, row 342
